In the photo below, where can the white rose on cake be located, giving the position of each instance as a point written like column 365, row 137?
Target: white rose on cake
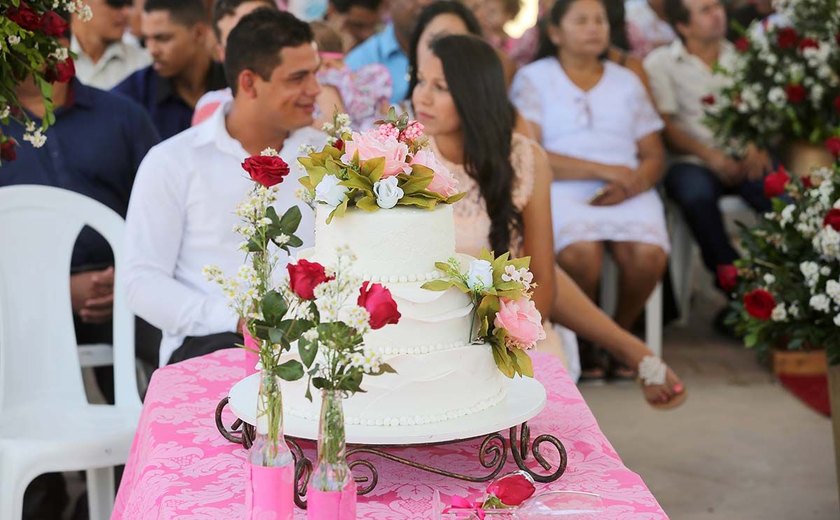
column 387, row 192
column 480, row 274
column 329, row 191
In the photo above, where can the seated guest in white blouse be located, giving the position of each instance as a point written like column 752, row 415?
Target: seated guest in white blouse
column 601, row 131
column 181, row 214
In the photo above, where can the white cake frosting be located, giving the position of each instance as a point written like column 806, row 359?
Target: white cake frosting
column 440, row 374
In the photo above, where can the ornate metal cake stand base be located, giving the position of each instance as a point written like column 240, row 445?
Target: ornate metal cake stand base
column 492, row 456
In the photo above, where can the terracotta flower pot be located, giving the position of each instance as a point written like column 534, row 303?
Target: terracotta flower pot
column 803, row 373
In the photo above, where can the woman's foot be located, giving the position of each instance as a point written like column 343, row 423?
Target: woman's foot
column 667, row 396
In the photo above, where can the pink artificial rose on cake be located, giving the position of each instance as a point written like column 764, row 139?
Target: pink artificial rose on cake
column 444, row 183
column 522, row 322
column 370, row 146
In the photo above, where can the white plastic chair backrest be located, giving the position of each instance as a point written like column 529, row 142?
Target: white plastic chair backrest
column 38, row 353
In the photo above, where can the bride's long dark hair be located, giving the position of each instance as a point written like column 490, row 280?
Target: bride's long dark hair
column 477, row 85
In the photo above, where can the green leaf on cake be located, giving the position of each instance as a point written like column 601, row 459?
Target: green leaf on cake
column 438, row 285
column 455, row 198
column 502, row 360
column 358, row 181
column 420, row 202
column 373, row 169
column 523, row 362
column 419, row 179
column 367, row 203
column 385, row 368
column 291, row 370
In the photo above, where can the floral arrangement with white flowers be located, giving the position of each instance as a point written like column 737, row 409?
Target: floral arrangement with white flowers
column 29, row 48
column 786, row 289
column 784, row 81
column 387, row 166
column 506, row 317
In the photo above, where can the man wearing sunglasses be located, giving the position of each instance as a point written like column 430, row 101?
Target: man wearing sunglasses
column 103, row 59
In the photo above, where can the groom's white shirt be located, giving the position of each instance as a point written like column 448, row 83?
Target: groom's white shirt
column 181, row 219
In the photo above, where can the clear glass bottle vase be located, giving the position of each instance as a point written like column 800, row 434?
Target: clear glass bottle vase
column 331, row 471
column 270, row 490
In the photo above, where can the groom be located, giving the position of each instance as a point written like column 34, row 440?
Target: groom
column 181, row 214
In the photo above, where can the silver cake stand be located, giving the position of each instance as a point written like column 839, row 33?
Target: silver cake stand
column 525, row 399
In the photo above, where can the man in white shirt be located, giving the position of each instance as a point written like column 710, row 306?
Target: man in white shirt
column 103, row 59
column 681, row 77
column 181, row 213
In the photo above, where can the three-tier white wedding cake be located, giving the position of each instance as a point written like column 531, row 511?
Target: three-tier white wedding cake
column 440, row 374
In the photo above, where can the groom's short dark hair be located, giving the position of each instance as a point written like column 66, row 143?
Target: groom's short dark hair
column 256, row 41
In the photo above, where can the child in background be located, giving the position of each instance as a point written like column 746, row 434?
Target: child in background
column 361, row 94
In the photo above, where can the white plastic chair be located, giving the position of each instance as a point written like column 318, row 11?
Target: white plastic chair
column 46, row 423
column 653, row 306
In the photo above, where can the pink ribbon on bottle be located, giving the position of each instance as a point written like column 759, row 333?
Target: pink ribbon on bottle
column 270, row 492
column 252, row 348
column 462, row 504
column 332, row 505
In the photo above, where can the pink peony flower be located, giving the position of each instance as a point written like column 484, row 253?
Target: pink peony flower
column 443, row 183
column 522, row 321
column 369, row 146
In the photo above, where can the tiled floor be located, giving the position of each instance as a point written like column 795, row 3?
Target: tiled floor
column 740, row 448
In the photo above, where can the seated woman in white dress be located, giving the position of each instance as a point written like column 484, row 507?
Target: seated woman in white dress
column 601, row 132
column 460, row 98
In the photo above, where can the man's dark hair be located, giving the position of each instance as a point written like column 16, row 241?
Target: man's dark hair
column 342, row 6
column 223, row 8
column 184, row 12
column 677, row 12
column 256, row 41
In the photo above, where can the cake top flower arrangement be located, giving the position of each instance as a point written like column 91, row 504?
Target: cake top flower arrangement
column 786, row 289
column 387, row 166
column 29, row 48
column 784, row 80
column 505, row 316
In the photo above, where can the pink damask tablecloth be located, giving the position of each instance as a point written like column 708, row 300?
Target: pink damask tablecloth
column 181, row 467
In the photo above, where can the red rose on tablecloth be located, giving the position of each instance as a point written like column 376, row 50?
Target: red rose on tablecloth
column 513, row 488
column 832, row 218
column 376, row 298
column 774, row 184
column 305, row 276
column 267, row 170
column 832, row 144
column 8, row 150
column 24, row 16
column 787, row 37
column 759, row 304
column 742, row 44
column 727, row 276
column 796, row 93
column 52, row 24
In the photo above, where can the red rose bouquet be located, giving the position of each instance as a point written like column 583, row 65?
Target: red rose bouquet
column 783, row 83
column 786, row 288
column 30, row 48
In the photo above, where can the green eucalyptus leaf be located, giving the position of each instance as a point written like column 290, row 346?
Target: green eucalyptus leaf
column 291, row 370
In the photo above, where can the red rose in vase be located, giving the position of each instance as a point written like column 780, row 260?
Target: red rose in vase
column 377, row 299
column 267, row 170
column 836, row 104
column 727, row 276
column 808, row 43
column 742, row 44
column 796, row 93
column 759, row 304
column 832, row 218
column 8, row 150
column 708, row 100
column 832, row 144
column 62, row 72
column 787, row 38
column 774, row 184
column 52, row 24
column 513, row 488
column 304, row 277
column 24, row 16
